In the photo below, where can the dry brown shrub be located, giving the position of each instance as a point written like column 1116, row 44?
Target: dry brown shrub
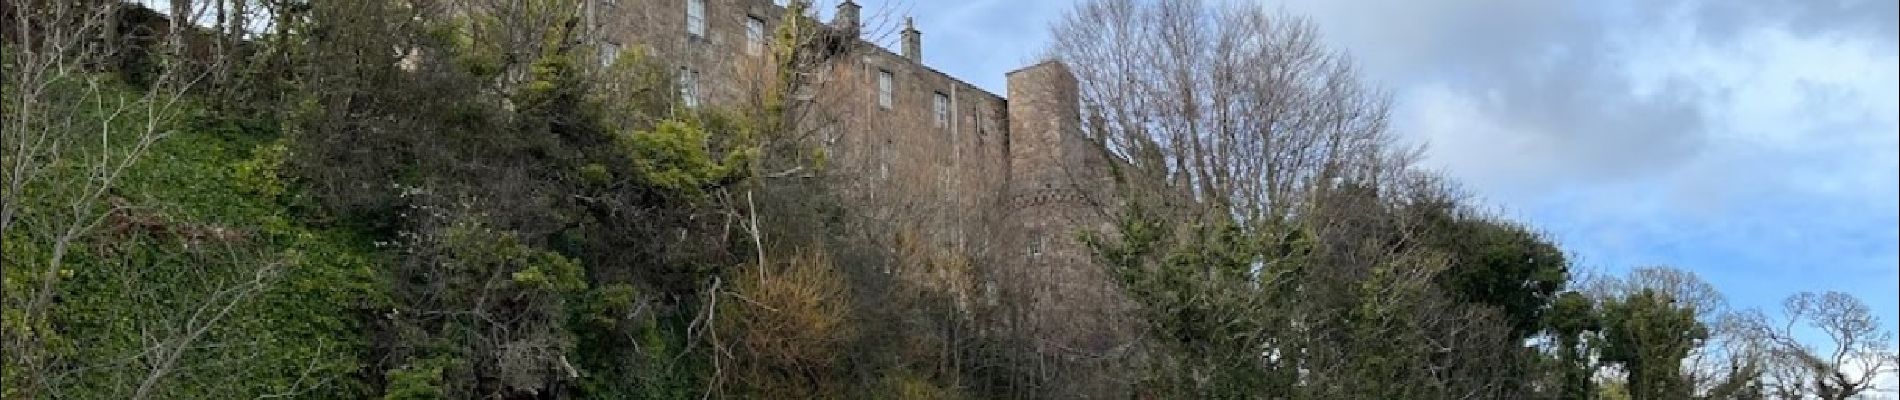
column 933, row 272
column 786, row 327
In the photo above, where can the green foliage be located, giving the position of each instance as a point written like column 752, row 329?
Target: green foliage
column 261, row 174
column 203, row 219
column 656, row 361
column 17, row 282
column 543, row 211
column 420, row 380
column 554, row 87
column 906, row 385
column 628, row 351
column 1615, row 390
column 475, row 248
column 499, row 219
column 471, row 292
column 676, row 156
column 1237, row 311
column 482, row 62
column 1571, row 317
column 596, row 174
column 1202, row 296
column 1497, row 263
column 1649, row 334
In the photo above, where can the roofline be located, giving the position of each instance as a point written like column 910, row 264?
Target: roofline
column 953, row 78
column 1033, row 66
column 783, row 10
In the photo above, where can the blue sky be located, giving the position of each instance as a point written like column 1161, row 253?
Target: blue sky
column 1752, row 142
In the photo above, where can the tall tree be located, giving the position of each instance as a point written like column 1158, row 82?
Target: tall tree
column 1672, row 334
column 1649, row 334
column 1241, row 109
column 1494, row 262
column 1268, row 214
column 1573, row 316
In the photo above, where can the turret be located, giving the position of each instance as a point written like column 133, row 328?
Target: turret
column 1044, row 116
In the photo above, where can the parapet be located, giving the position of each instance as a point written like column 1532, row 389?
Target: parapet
column 1044, row 116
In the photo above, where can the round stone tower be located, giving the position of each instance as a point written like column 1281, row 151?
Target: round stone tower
column 1059, row 188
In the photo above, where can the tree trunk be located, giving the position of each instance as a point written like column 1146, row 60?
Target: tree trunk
column 240, row 10
column 112, row 30
column 180, row 20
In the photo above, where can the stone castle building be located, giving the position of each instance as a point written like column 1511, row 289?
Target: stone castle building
column 1010, row 180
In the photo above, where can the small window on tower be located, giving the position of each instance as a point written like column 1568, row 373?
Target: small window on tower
column 609, row 51
column 884, row 89
column 754, row 36
column 689, row 87
column 696, row 18
column 1034, row 249
column 982, row 121
column 941, row 106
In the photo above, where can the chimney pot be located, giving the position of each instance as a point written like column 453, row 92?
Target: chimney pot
column 913, row 41
column 847, row 18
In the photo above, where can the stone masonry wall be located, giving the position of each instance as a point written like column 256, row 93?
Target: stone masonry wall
column 898, row 162
column 1011, row 182
column 1059, row 188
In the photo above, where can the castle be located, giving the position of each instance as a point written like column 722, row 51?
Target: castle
column 1010, row 179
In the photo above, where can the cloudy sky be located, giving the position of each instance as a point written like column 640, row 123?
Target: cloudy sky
column 1751, row 141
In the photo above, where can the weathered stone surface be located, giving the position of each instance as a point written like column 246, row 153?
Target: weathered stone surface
column 1009, row 182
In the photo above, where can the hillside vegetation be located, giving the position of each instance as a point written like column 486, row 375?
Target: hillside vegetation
column 386, row 199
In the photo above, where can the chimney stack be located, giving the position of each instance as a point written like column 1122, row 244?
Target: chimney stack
column 913, row 41
column 847, row 18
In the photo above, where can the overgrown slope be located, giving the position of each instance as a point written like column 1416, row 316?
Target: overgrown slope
column 202, row 275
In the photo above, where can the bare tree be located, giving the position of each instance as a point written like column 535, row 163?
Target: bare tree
column 1856, row 354
column 1243, row 109
column 1225, row 114
column 170, row 344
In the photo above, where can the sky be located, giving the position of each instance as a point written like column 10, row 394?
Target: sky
column 1753, row 142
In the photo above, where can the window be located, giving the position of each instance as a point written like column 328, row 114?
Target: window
column 1035, row 248
column 985, row 121
column 830, row 133
column 754, row 36
column 696, row 18
column 689, row 87
column 884, row 89
column 609, row 51
column 941, row 106
column 884, row 160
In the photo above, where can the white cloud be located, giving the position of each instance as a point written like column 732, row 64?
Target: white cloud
column 1527, row 96
column 1755, row 141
